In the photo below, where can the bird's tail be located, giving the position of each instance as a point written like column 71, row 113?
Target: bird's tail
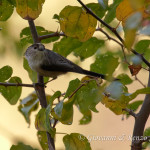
column 94, row 74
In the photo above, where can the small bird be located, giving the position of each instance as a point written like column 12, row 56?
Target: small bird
column 50, row 64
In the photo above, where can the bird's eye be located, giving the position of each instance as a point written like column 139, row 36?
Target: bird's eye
column 35, row 47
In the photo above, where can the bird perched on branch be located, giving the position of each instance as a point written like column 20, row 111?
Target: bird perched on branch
column 50, row 64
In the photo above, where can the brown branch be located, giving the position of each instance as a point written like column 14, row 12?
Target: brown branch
column 51, row 35
column 136, row 78
column 113, row 30
column 40, row 90
column 131, row 112
column 16, row 84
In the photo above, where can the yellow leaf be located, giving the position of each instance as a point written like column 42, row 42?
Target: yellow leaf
column 29, row 9
column 75, row 22
column 130, row 38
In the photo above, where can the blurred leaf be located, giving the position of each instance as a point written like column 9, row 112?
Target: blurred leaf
column 42, row 138
column 26, row 36
column 88, row 97
column 13, row 2
column 66, row 112
column 58, row 108
column 87, row 116
column 32, row 74
column 105, row 64
column 114, row 89
column 57, row 94
column 98, row 9
column 6, row 10
column 66, row 45
column 73, row 85
column 111, row 14
column 21, row 146
column 42, row 121
column 103, row 3
column 5, row 73
column 88, row 48
column 146, row 133
column 145, row 30
column 29, row 10
column 134, row 69
column 133, row 106
column 76, row 141
column 75, row 22
column 12, row 93
column 28, row 105
column 124, row 79
column 56, row 17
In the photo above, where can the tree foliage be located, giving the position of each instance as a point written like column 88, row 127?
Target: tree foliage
column 78, row 25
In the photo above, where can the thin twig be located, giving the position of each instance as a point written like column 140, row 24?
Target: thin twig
column 51, row 35
column 16, row 84
column 113, row 30
column 131, row 112
column 136, row 78
column 55, row 122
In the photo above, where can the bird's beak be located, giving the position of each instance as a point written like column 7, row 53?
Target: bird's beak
column 41, row 48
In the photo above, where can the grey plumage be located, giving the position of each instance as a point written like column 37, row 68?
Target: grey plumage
column 51, row 64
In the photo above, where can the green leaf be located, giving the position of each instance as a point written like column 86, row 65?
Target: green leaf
column 28, row 105
column 58, row 108
column 42, row 138
column 76, row 22
column 124, row 79
column 12, row 93
column 73, row 85
column 66, row 45
column 146, row 133
column 88, row 97
column 56, row 17
column 57, row 94
column 88, row 48
column 29, row 9
column 66, row 113
column 13, row 2
column 5, row 73
column 21, row 146
column 87, row 116
column 26, row 36
column 134, row 106
column 32, row 74
column 6, row 10
column 105, row 64
column 97, row 9
column 76, row 141
column 42, row 121
column 111, row 14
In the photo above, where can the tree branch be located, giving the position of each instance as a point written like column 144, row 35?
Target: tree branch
column 16, row 84
column 51, row 35
column 141, row 120
column 114, row 31
column 40, row 90
column 131, row 112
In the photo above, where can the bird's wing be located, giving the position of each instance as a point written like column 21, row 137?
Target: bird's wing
column 56, row 62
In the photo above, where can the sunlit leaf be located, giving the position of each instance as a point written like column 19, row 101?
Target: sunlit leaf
column 12, row 93
column 5, row 73
column 42, row 122
column 102, row 64
column 28, row 105
column 58, row 109
column 42, row 138
column 124, row 79
column 6, row 10
column 76, row 141
column 75, row 22
column 29, row 9
column 21, row 146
